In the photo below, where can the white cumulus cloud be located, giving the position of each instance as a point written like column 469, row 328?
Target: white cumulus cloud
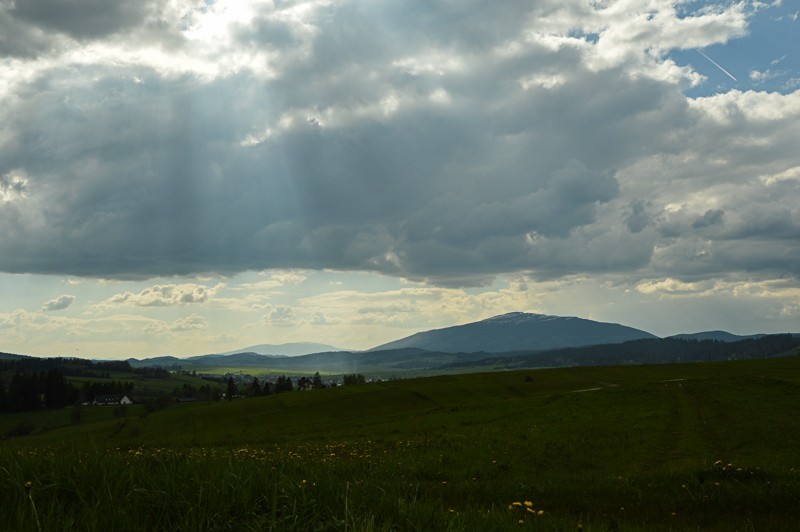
column 60, row 303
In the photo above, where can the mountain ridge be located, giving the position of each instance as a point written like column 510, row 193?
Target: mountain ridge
column 289, row 349
column 719, row 336
column 518, row 331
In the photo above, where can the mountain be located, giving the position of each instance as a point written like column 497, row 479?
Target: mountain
column 719, row 336
column 286, row 350
column 518, row 331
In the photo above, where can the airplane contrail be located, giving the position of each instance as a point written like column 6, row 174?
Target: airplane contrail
column 717, row 65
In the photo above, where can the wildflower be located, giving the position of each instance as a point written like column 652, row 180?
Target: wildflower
column 540, row 512
column 530, row 511
column 521, row 521
column 529, row 504
column 516, row 503
column 28, row 484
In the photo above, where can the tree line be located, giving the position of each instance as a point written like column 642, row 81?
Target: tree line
column 49, row 389
column 283, row 384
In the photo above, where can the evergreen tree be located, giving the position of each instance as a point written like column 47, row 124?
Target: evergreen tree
column 283, row 384
column 353, row 378
column 3, row 404
column 231, row 390
column 24, row 392
column 55, row 389
column 316, row 381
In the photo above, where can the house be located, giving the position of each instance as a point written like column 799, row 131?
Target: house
column 112, row 400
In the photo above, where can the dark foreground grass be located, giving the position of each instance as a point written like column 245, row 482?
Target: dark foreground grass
column 709, row 447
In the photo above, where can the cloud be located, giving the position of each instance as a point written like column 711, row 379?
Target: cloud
column 189, row 323
column 275, row 280
column 60, row 303
column 12, row 185
column 709, row 218
column 450, row 145
column 165, row 295
column 673, row 287
column 281, row 316
column 638, row 219
column 82, row 18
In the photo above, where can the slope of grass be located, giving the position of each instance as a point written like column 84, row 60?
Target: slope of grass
column 708, row 446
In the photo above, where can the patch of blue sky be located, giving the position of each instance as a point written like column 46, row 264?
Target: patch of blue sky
column 586, row 36
column 766, row 59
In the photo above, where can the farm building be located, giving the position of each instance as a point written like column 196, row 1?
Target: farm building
column 112, row 400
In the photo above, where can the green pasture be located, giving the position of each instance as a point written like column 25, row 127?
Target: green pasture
column 684, row 447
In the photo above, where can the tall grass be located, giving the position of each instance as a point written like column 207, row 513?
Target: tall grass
column 403, row 486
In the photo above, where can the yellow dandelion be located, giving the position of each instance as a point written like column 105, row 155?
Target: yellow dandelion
column 521, row 521
column 540, row 512
column 516, row 503
column 529, row 504
column 530, row 510
column 28, row 484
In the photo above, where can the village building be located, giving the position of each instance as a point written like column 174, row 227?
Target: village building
column 118, row 399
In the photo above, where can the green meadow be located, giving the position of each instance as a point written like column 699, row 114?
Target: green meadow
column 678, row 447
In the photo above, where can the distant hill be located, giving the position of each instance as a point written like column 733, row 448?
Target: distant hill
column 518, row 331
column 256, row 355
column 237, row 359
column 11, row 356
column 646, row 351
column 286, row 350
column 393, row 360
column 719, row 336
column 164, row 362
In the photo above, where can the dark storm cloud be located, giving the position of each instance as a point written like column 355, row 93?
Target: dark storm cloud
column 638, row 219
column 432, row 143
column 81, row 19
column 21, row 40
column 711, row 217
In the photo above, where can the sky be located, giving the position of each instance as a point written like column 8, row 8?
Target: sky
column 181, row 177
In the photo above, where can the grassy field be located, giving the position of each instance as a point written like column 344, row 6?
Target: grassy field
column 701, row 446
